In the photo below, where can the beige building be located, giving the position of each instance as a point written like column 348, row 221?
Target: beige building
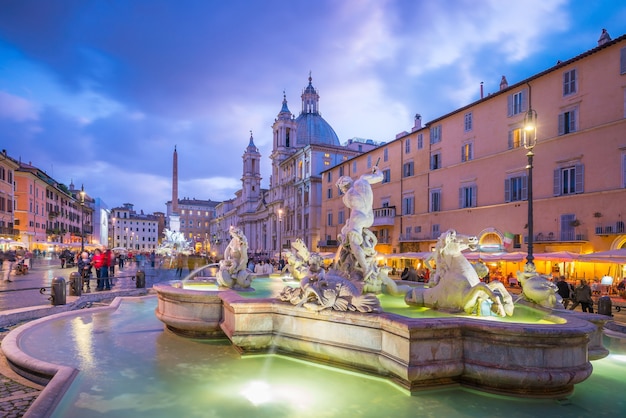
column 48, row 214
column 133, row 231
column 467, row 170
column 8, row 165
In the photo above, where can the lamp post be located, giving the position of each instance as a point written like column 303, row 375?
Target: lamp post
column 280, row 244
column 530, row 140
column 82, row 218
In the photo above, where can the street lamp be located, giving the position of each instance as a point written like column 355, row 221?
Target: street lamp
column 530, row 140
column 82, row 218
column 280, row 244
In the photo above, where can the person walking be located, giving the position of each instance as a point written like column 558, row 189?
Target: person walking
column 107, row 262
column 582, row 296
column 565, row 291
column 84, row 268
column 9, row 260
column 179, row 264
column 98, row 262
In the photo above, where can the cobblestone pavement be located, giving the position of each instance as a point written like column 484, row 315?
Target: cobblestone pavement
column 16, row 393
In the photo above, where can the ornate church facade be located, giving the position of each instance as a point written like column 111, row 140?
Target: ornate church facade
column 290, row 208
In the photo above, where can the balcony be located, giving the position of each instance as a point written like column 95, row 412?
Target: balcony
column 5, row 230
column 418, row 237
column 384, row 216
column 53, row 214
column 614, row 228
column 564, row 236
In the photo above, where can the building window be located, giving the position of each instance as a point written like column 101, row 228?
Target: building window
column 407, row 146
column 467, row 153
column 516, row 103
column 569, row 82
column 420, row 141
column 408, row 205
column 435, row 161
column 435, row 200
column 622, row 61
column 329, row 219
column 467, row 197
column 354, row 166
column 369, row 161
column 341, row 171
column 468, row 122
column 329, row 193
column 569, row 180
column 341, row 217
column 434, row 230
column 435, row 134
column 516, row 188
column 328, row 177
column 385, row 154
column 407, row 169
column 515, row 138
column 567, row 122
column 386, row 175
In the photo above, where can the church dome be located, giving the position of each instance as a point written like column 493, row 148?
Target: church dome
column 313, row 129
column 311, row 126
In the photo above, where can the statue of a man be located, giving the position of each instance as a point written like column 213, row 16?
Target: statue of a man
column 359, row 198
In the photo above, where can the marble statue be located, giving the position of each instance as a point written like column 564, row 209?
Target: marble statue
column 233, row 271
column 297, row 260
column 538, row 289
column 455, row 285
column 355, row 277
column 320, row 290
column 357, row 243
column 174, row 242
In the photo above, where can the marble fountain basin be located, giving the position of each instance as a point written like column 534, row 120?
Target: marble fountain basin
column 536, row 353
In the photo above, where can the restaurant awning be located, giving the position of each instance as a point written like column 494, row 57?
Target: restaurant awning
column 612, row 256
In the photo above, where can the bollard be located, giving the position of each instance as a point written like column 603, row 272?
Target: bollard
column 605, row 306
column 76, row 284
column 58, row 291
column 140, row 279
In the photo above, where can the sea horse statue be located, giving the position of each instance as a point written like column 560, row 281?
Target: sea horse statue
column 233, row 271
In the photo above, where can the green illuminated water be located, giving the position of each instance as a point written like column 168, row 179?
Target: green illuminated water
column 130, row 367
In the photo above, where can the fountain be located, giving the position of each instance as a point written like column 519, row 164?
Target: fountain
column 441, row 337
column 117, row 361
column 335, row 317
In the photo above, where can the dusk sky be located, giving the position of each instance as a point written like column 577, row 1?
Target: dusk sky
column 100, row 92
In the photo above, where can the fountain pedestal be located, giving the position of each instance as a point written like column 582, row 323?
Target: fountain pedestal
column 544, row 357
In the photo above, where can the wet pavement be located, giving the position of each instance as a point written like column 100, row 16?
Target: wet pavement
column 22, row 300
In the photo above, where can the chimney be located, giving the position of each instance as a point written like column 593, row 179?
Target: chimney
column 503, row 83
column 482, row 91
column 418, row 122
column 604, row 37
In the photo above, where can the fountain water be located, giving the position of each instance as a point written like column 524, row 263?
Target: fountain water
column 108, row 365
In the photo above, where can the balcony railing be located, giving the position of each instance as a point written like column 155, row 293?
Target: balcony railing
column 419, row 237
column 614, row 228
column 384, row 216
column 564, row 236
column 5, row 230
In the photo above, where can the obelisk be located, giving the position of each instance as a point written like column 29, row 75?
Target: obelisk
column 174, row 217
